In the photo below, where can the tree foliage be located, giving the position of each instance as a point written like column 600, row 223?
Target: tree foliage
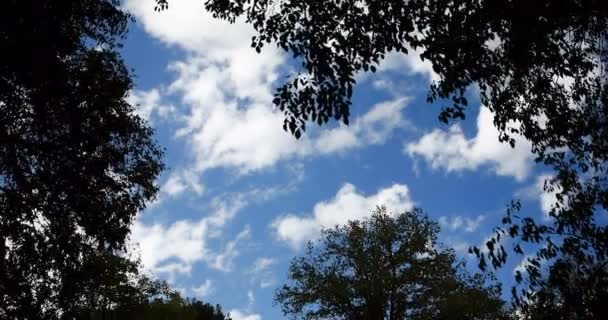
column 539, row 66
column 76, row 164
column 115, row 287
column 385, row 267
column 574, row 290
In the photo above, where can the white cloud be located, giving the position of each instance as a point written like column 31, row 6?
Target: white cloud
column 189, row 26
column 175, row 248
column 183, row 241
column 267, row 282
column 226, row 90
column 174, row 186
column 236, row 314
column 410, row 63
column 261, row 273
column 456, row 242
column 347, row 204
column 458, row 222
column 460, row 246
column 547, row 200
column 262, row 264
column 148, row 105
column 452, row 151
column 546, row 197
column 224, row 261
column 181, row 181
column 251, row 138
column 205, row 289
column 373, row 128
column 250, row 299
column 525, row 261
column 247, row 314
column 405, row 64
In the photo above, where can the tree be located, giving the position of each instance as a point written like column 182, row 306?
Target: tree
column 115, row 287
column 175, row 308
column 385, row 267
column 571, row 292
column 540, row 67
column 76, row 164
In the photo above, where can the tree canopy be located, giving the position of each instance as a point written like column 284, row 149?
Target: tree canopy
column 76, row 164
column 539, row 66
column 574, row 290
column 385, row 267
column 115, row 287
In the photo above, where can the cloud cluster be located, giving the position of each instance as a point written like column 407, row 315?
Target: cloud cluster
column 347, row 204
column 225, row 91
column 176, row 248
column 452, row 151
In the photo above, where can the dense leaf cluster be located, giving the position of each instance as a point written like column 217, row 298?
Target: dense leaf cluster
column 114, row 287
column 385, row 267
column 570, row 294
column 76, row 164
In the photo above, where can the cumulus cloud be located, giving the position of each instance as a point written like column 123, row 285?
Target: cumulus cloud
column 226, row 89
column 347, row 204
column 250, row 138
column 452, row 151
column 224, row 84
column 175, row 248
column 189, row 26
column 410, row 63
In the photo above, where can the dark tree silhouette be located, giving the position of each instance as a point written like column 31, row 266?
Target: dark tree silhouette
column 121, row 291
column 76, row 164
column 385, row 268
column 114, row 287
column 573, row 291
column 540, row 67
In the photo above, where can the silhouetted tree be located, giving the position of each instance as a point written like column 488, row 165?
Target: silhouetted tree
column 385, row 267
column 115, row 287
column 176, row 308
column 539, row 66
column 76, row 164
column 572, row 291
column 159, row 302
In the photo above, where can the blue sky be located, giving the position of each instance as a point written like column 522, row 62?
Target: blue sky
column 241, row 197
